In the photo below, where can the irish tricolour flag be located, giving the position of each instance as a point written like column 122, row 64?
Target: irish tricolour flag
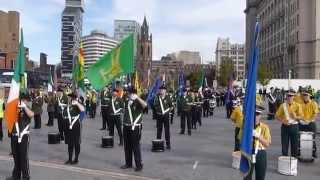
column 17, row 85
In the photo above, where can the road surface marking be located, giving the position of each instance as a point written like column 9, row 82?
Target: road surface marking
column 81, row 170
column 195, row 165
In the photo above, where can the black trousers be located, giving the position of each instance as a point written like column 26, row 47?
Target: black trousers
column 20, row 157
column 206, row 106
column 260, row 166
column 37, row 121
column 115, row 120
column 185, row 116
column 163, row 121
column 93, row 110
column 229, row 111
column 236, row 139
column 105, row 119
column 312, row 127
column 132, row 145
column 1, row 131
column 51, row 118
column 76, row 148
column 60, row 126
column 290, row 133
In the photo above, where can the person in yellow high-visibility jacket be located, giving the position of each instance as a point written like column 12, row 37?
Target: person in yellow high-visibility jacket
column 309, row 114
column 237, row 118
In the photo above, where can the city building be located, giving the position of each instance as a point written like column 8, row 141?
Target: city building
column 228, row 51
column 289, row 40
column 143, row 62
column 95, row 46
column 188, row 57
column 9, row 38
column 122, row 28
column 71, row 34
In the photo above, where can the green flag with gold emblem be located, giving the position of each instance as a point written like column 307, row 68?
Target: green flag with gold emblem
column 117, row 62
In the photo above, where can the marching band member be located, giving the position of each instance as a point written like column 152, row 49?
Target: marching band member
column 289, row 114
column 132, row 126
column 72, row 117
column 309, row 114
column 262, row 140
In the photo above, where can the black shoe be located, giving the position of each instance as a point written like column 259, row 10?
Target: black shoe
column 138, row 169
column 189, row 133
column 181, row 132
column 102, row 129
column 76, row 161
column 125, row 167
column 168, row 147
column 68, row 162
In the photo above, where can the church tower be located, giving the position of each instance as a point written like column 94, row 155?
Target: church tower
column 144, row 54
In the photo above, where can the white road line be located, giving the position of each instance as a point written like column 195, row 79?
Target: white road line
column 195, row 165
column 81, row 170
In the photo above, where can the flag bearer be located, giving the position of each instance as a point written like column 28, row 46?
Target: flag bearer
column 163, row 106
column 20, row 140
column 309, row 114
column 262, row 140
column 289, row 114
column 132, row 126
column 115, row 108
column 186, row 103
column 105, row 108
column 237, row 118
column 72, row 115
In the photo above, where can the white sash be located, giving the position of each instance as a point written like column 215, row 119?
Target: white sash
column 134, row 123
column 24, row 132
column 286, row 113
column 113, row 107
column 162, row 109
column 72, row 122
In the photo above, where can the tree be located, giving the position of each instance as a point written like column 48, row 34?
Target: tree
column 225, row 71
column 193, row 78
column 264, row 74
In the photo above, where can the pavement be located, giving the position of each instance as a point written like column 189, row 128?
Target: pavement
column 206, row 155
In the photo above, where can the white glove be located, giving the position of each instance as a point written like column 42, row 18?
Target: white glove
column 256, row 134
column 134, row 97
column 22, row 105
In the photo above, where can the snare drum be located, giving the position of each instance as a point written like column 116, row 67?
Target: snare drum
column 288, row 165
column 107, row 142
column 306, row 145
column 53, row 138
column 157, row 145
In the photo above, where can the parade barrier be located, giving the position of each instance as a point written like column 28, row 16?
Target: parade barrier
column 306, row 146
column 288, row 165
column 157, row 145
column 107, row 142
column 53, row 138
column 236, row 156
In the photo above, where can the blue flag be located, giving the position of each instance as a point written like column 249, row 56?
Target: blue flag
column 153, row 91
column 181, row 84
column 249, row 107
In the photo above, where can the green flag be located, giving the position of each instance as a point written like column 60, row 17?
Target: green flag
column 119, row 61
column 78, row 72
column 20, row 66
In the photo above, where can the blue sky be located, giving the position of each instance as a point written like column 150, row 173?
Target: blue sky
column 176, row 24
